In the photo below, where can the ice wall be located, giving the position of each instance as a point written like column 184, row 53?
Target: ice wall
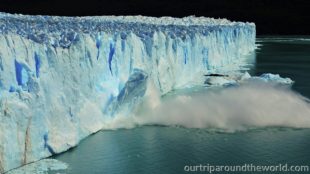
column 63, row 78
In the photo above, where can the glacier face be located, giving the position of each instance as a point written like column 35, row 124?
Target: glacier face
column 63, row 78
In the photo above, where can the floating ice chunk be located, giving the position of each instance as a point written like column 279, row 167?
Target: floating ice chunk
column 245, row 76
column 268, row 77
column 237, row 78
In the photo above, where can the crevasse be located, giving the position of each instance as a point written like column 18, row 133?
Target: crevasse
column 63, row 78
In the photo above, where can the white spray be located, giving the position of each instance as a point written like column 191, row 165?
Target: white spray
column 251, row 105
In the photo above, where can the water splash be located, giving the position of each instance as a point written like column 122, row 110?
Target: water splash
column 251, row 105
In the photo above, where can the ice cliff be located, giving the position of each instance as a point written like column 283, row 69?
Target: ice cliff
column 63, row 78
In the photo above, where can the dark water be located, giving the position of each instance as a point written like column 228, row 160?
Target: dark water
column 287, row 57
column 153, row 149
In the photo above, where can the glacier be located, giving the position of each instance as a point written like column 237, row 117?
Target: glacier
column 64, row 78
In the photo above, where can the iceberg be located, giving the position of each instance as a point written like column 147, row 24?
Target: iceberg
column 238, row 78
column 64, row 78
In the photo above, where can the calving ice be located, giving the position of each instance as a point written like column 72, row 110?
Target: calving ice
column 64, row 78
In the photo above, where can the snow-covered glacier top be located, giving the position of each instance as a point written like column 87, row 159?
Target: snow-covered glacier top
column 63, row 31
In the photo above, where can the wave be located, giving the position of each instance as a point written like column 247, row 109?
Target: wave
column 250, row 105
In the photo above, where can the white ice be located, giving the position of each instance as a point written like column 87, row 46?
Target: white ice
column 64, row 78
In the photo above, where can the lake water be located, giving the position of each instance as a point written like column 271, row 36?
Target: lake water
column 159, row 149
